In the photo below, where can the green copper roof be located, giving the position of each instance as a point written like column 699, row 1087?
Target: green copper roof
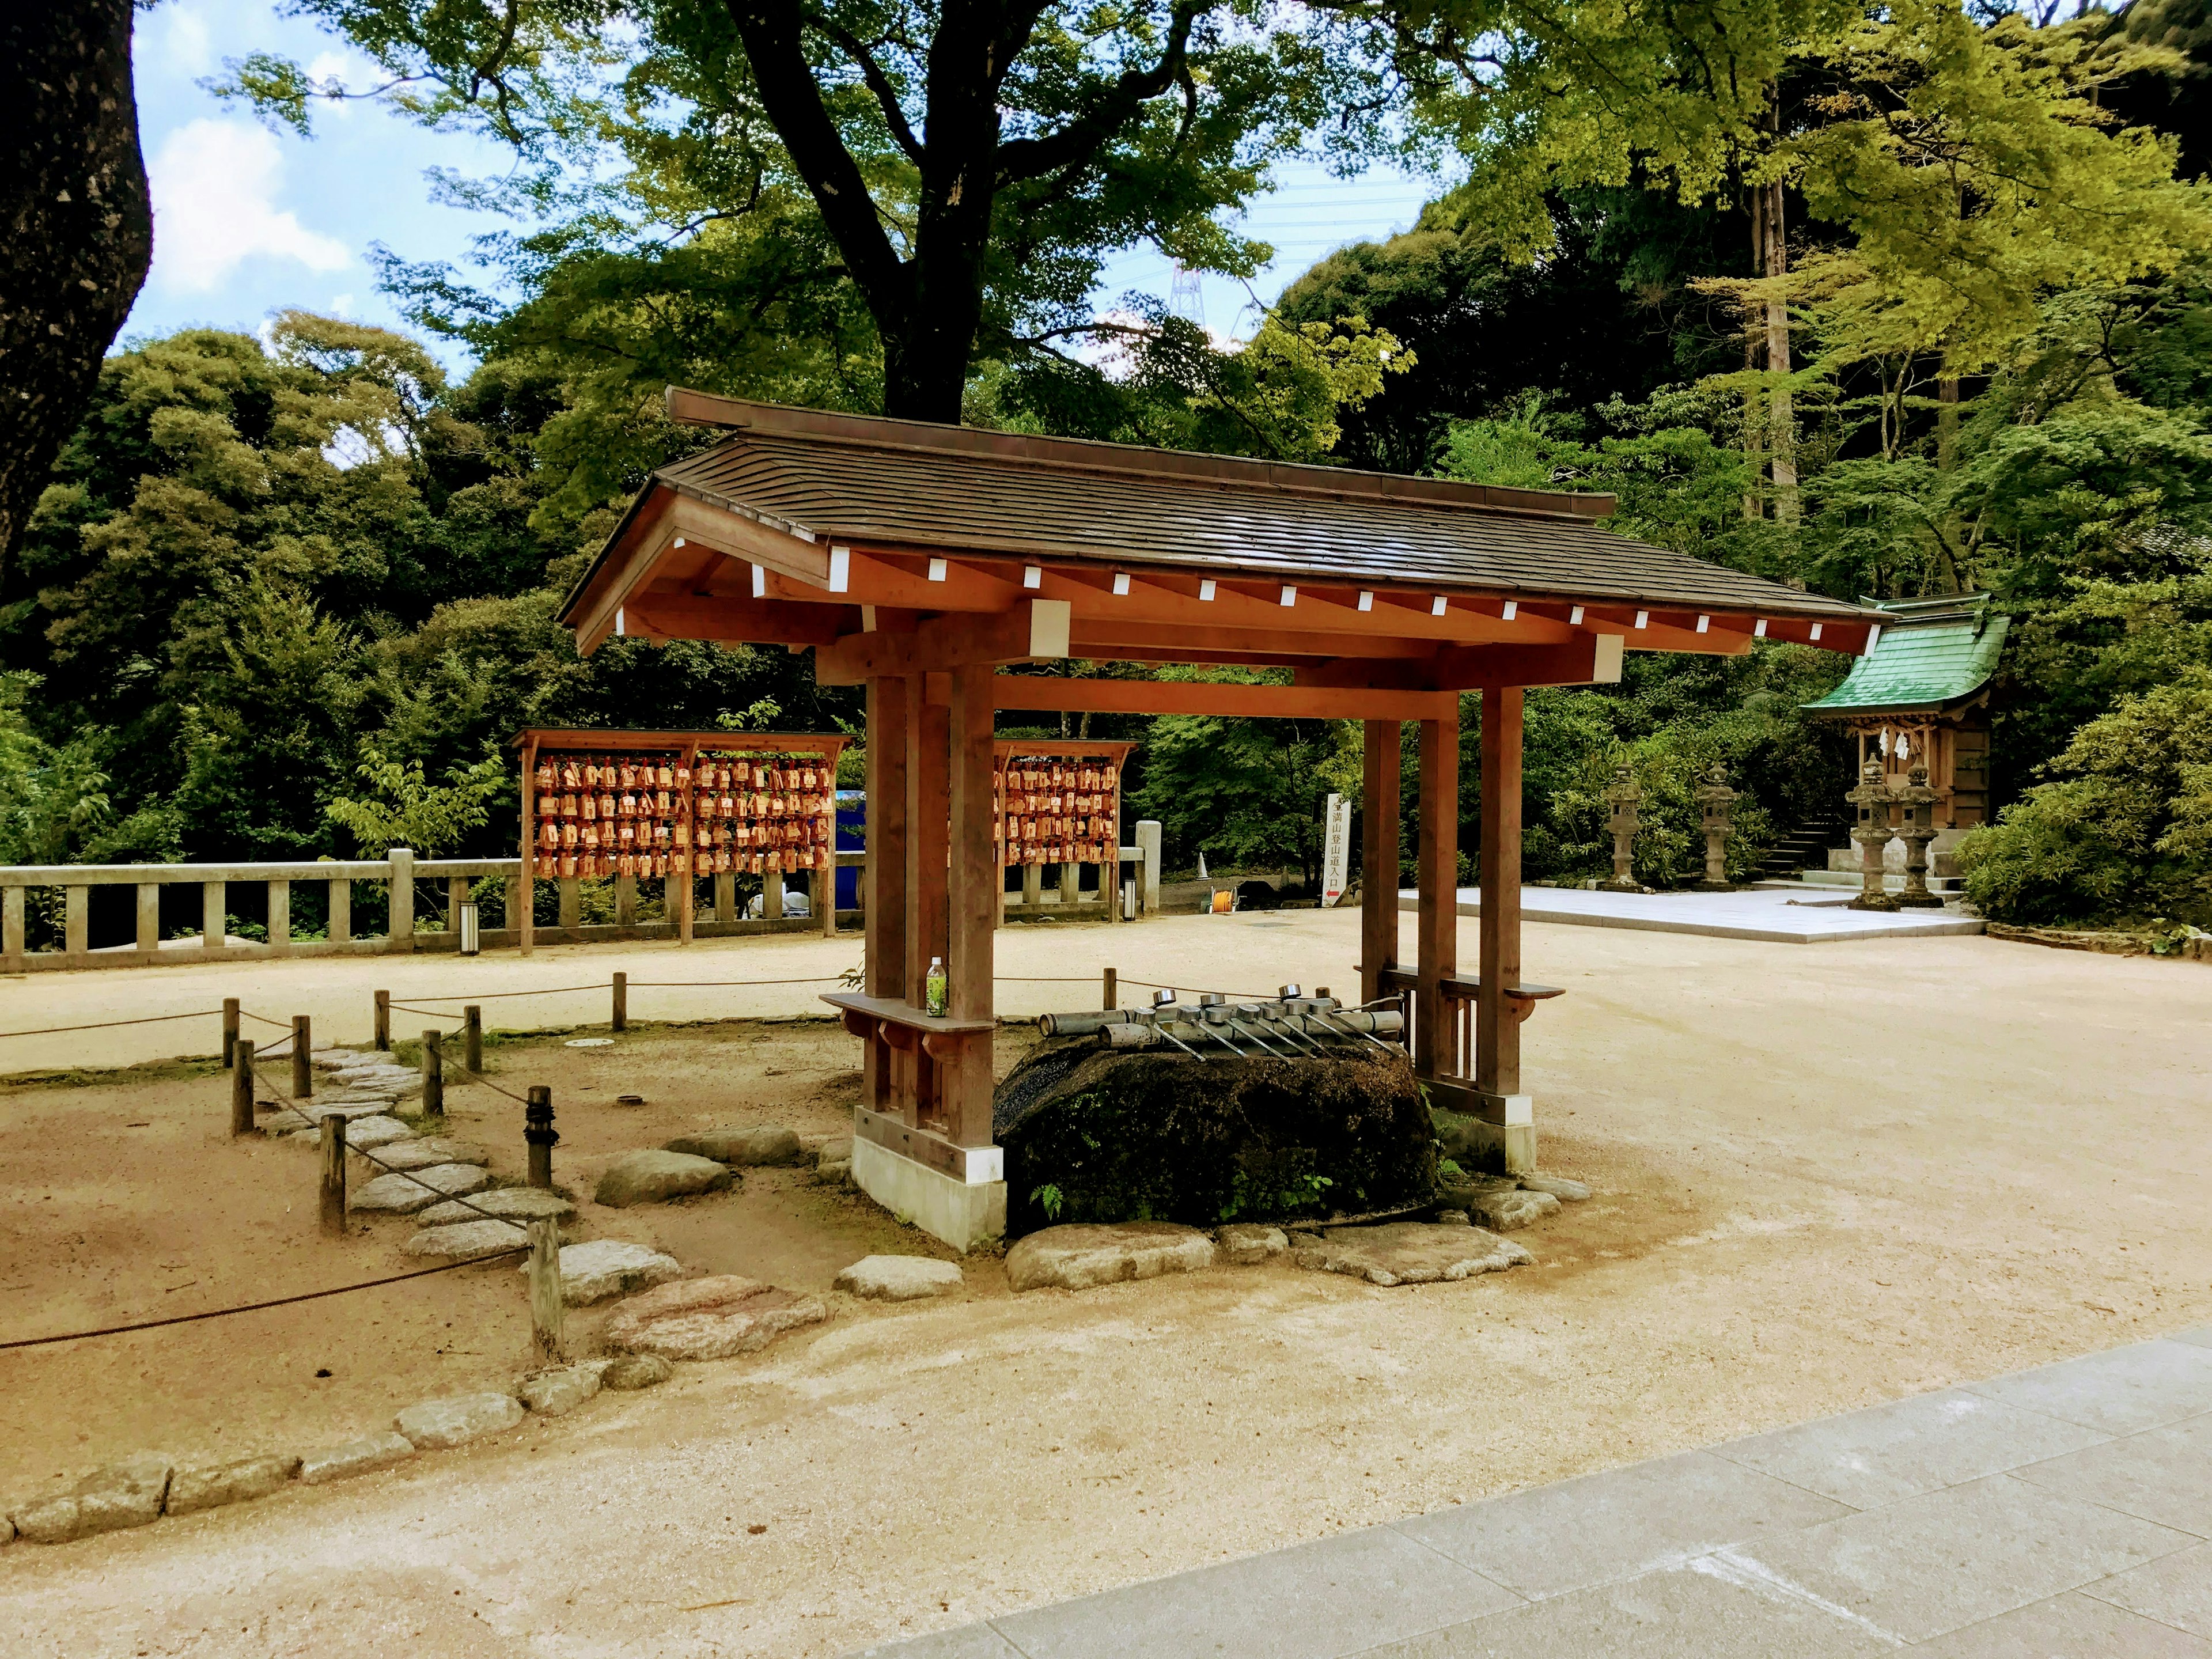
column 1933, row 653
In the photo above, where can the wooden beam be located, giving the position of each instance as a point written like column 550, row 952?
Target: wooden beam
column 744, row 622
column 1496, row 1028
column 1050, row 692
column 976, row 879
column 1436, row 935
column 1592, row 659
column 1378, row 855
column 1107, row 637
column 1033, row 629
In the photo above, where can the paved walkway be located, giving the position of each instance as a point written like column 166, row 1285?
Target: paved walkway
column 2061, row 1513
column 1765, row 913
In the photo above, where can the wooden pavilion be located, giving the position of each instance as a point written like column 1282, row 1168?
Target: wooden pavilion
column 925, row 560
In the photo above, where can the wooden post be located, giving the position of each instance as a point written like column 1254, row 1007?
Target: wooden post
column 970, row 913
column 279, row 915
column 384, row 1021
column 303, row 1058
column 149, row 915
column 1112, row 990
column 434, row 1074
column 334, row 1175
column 928, row 809
column 1436, row 954
column 241, row 1088
column 883, row 949
column 341, row 925
column 214, row 914
column 620, row 1021
column 545, row 1290
column 229, row 1030
column 472, row 1038
column 1497, row 1032
column 521, row 895
column 539, row 1135
column 1378, row 855
column 399, row 929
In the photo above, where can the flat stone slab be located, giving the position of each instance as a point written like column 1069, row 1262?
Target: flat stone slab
column 362, row 1456
column 637, row 1370
column 296, row 1114
column 551, row 1393
column 654, row 1178
column 404, row 1194
column 193, row 1490
column 1566, row 1191
column 602, row 1269
column 372, row 1133
column 709, row 1318
column 1247, row 1243
column 1512, row 1209
column 1411, row 1253
column 379, row 1070
column 745, row 1148
column 515, row 1203
column 832, row 1161
column 1082, row 1254
column 125, row 1494
column 422, row 1154
column 899, row 1278
column 337, row 1059
column 465, row 1240
column 439, row 1424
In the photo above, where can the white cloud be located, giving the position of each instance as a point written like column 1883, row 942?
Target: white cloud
column 185, row 45
column 215, row 186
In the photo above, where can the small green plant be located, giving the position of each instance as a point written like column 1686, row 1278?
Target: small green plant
column 1446, row 1170
column 1049, row 1199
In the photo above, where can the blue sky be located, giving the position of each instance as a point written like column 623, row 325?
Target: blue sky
column 248, row 222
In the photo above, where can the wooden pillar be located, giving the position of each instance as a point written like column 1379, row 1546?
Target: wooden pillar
column 1497, row 1032
column 1379, row 856
column 883, row 952
column 928, row 818
column 972, row 910
column 1438, row 929
column 526, row 933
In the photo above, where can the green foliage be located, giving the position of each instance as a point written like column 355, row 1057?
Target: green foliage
column 2123, row 832
column 406, row 810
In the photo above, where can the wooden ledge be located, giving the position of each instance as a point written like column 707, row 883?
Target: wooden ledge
column 904, row 1015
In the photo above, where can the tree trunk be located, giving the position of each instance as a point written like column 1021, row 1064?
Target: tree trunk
column 1947, row 460
column 1781, row 423
column 1753, row 508
column 80, row 230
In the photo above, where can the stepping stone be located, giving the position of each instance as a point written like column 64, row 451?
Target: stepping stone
column 375, row 1451
column 1411, row 1253
column 193, row 1490
column 440, row 1425
column 1512, row 1210
column 404, row 1194
column 464, row 1241
column 654, row 1178
column 370, row 1132
column 1569, row 1192
column 1082, row 1255
column 422, row 1154
column 516, row 1203
column 743, row 1148
column 125, row 1494
column 637, row 1370
column 899, row 1278
column 1243, row 1243
column 833, row 1164
column 336, row 1060
column 562, row 1389
column 709, row 1318
column 293, row 1113
column 606, row 1268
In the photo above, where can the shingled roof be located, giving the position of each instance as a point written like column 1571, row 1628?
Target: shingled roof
column 1932, row 653
column 826, row 476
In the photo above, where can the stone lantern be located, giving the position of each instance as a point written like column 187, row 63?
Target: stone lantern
column 1713, row 800
column 1917, row 802
column 1871, row 829
column 1625, row 797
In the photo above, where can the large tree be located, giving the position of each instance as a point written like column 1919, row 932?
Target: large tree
column 79, row 229
column 963, row 166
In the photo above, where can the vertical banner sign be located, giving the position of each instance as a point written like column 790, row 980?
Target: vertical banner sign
column 1335, row 850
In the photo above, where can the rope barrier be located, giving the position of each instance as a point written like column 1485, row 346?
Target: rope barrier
column 105, row 1024
column 281, row 1024
column 1201, row 990
column 495, row 996
column 257, row 1307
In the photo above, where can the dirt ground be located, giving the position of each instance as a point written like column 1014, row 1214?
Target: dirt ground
column 1827, row 1176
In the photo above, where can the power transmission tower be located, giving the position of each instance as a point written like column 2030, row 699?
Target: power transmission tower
column 1187, row 298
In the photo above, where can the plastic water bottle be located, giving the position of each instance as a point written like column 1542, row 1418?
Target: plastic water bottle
column 932, row 988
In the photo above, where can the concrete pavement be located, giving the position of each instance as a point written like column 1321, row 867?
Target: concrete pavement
column 2059, row 1513
column 1770, row 914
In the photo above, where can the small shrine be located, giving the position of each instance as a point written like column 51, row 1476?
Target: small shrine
column 1919, row 698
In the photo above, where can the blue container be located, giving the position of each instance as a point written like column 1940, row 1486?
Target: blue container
column 852, row 837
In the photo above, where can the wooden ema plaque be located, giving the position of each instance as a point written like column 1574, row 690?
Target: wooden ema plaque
column 1059, row 802
column 680, row 804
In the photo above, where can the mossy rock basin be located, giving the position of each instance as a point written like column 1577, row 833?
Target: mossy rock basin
column 1098, row 1135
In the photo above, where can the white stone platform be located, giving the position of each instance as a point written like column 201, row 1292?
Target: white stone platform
column 1757, row 913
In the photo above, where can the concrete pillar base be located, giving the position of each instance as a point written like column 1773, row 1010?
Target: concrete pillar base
column 945, row 1207
column 1497, row 1136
